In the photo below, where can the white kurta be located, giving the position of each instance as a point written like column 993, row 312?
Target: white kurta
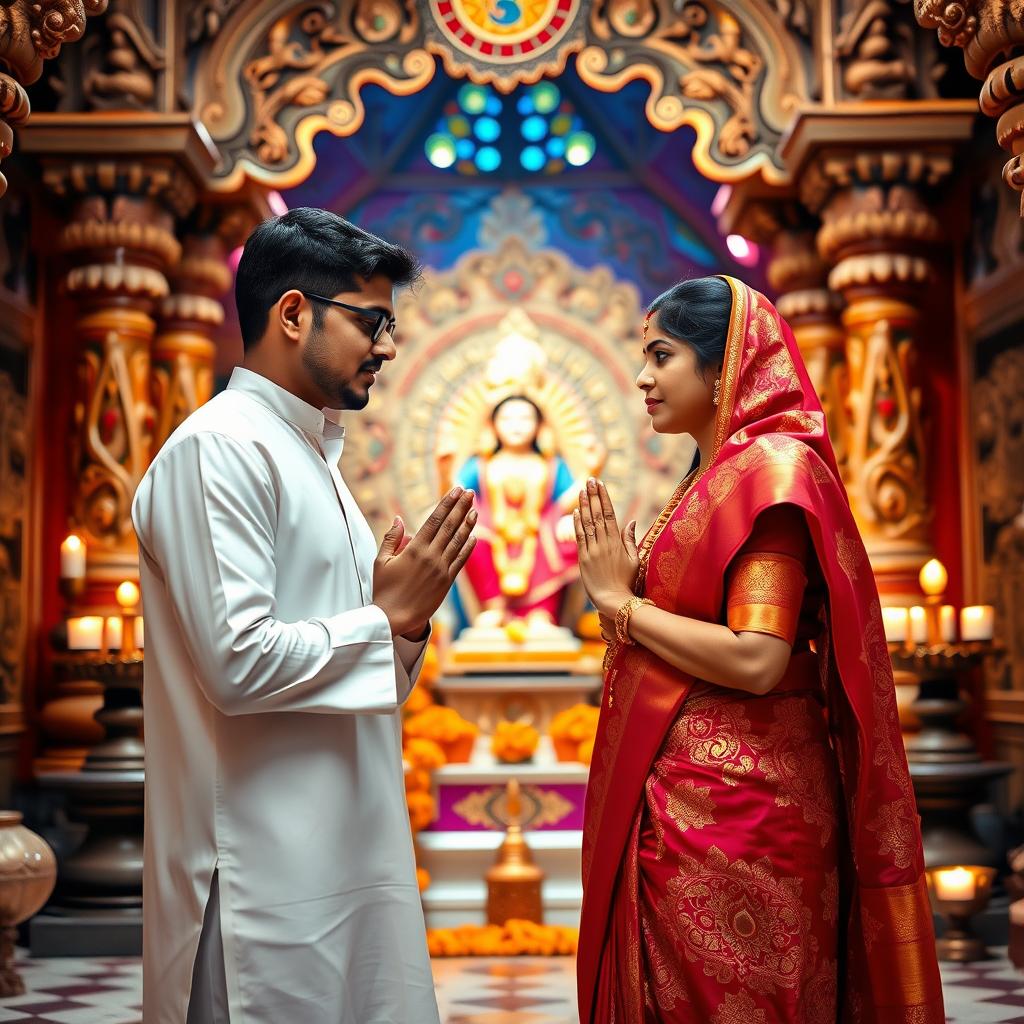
column 273, row 742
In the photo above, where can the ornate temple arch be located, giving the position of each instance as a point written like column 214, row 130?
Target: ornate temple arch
column 266, row 77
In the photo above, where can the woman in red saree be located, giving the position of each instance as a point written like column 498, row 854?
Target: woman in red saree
column 751, row 850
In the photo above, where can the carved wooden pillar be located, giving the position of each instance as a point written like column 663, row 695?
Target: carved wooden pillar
column 988, row 30
column 32, row 31
column 119, row 243
column 878, row 235
column 183, row 350
column 799, row 278
column 798, row 281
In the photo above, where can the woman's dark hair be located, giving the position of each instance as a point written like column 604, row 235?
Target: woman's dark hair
column 697, row 313
column 517, row 398
column 315, row 251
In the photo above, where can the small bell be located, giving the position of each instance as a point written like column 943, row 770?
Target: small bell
column 514, row 883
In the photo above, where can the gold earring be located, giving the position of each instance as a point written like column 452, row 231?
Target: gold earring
column 718, row 392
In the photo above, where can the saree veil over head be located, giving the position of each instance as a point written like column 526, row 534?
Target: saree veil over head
column 771, row 448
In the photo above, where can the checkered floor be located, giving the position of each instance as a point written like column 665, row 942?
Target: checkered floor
column 477, row 991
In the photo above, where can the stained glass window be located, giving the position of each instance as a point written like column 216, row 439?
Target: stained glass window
column 536, row 130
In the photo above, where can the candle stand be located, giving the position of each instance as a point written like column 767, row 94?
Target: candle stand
column 97, row 907
column 949, row 775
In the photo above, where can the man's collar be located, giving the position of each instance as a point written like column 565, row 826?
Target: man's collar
column 322, row 422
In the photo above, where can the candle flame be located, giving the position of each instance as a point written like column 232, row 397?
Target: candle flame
column 933, row 577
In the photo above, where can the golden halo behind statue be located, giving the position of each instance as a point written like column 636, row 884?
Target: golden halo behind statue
column 431, row 408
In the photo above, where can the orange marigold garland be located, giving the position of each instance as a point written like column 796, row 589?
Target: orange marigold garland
column 514, row 742
column 514, row 938
column 572, row 732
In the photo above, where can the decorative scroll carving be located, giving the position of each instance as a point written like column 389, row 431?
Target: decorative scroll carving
column 956, row 20
column 988, row 31
column 118, row 67
column 32, row 31
column 263, row 103
column 882, row 54
column 998, row 402
column 708, row 65
column 269, row 81
column 123, row 62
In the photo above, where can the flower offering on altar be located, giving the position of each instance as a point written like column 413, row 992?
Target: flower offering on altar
column 447, row 728
column 514, row 938
column 514, row 742
column 573, row 728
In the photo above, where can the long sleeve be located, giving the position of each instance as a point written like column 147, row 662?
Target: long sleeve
column 409, row 656
column 206, row 518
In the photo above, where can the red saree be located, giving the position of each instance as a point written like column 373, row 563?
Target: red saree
column 756, row 924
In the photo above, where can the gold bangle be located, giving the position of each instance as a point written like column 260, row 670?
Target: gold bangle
column 624, row 614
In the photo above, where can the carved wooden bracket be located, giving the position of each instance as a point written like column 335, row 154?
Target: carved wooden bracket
column 269, row 78
column 32, row 31
column 987, row 30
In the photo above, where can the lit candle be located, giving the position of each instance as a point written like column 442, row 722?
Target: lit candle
column 115, row 632
column 933, row 577
column 72, row 558
column 947, row 623
column 85, row 633
column 918, row 625
column 140, row 634
column 954, row 884
column 895, row 621
column 977, row 622
column 127, row 594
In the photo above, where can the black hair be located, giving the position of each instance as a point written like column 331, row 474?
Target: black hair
column 697, row 313
column 315, row 251
column 518, row 398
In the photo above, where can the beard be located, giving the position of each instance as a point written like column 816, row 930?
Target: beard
column 340, row 393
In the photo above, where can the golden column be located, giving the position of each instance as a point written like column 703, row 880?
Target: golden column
column 799, row 278
column 878, row 235
column 119, row 242
column 798, row 282
column 184, row 350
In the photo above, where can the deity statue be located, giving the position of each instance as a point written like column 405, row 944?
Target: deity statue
column 525, row 554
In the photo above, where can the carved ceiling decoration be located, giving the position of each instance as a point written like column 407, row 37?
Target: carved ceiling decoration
column 882, row 53
column 30, row 33
column 268, row 76
column 505, row 43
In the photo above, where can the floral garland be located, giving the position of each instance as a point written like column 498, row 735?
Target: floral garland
column 514, row 742
column 572, row 731
column 514, row 938
column 431, row 736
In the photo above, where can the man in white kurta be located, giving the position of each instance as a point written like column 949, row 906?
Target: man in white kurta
column 273, row 744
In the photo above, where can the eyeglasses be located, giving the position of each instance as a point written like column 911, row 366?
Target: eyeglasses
column 381, row 321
